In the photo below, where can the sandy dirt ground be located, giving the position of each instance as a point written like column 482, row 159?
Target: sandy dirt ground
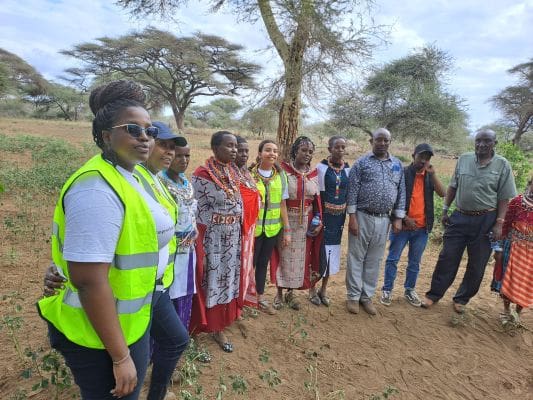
column 318, row 352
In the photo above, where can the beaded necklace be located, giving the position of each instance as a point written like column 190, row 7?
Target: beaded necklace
column 302, row 199
column 224, row 176
column 181, row 192
column 338, row 176
column 246, row 178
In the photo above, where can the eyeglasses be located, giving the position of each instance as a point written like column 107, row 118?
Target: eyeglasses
column 136, row 130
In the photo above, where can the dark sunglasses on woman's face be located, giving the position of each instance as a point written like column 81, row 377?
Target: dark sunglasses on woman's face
column 136, row 130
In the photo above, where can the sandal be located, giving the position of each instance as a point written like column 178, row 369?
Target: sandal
column 324, row 299
column 459, row 308
column 291, row 300
column 222, row 341
column 315, row 299
column 427, row 303
column 264, row 306
column 277, row 304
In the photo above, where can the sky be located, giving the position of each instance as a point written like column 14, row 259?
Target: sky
column 484, row 37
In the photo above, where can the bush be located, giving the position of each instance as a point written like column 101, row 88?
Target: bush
column 520, row 164
column 52, row 162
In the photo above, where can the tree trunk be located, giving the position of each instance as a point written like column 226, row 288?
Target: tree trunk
column 292, row 56
column 179, row 116
column 289, row 117
column 521, row 129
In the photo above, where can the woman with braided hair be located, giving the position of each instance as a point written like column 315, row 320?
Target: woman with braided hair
column 299, row 259
column 112, row 242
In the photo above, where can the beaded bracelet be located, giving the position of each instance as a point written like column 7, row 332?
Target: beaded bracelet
column 122, row 360
column 500, row 220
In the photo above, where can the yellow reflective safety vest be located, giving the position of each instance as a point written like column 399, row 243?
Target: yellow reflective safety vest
column 269, row 218
column 161, row 194
column 132, row 275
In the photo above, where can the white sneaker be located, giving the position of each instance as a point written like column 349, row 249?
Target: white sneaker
column 412, row 298
column 386, row 298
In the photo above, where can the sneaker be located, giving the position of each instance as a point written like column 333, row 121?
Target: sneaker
column 412, row 298
column 386, row 298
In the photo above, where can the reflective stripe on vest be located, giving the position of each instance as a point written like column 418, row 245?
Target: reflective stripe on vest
column 131, row 306
column 131, row 276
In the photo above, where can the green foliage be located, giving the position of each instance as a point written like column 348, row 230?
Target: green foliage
column 387, row 393
column 218, row 114
column 238, row 384
column 522, row 167
column 264, row 356
column 176, row 70
column 516, row 102
column 17, row 77
column 46, row 367
column 408, row 97
column 260, row 120
column 52, row 162
column 270, row 377
column 62, row 102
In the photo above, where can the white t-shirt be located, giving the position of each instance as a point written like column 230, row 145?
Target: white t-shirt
column 267, row 173
column 94, row 216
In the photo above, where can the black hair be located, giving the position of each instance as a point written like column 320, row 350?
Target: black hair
column 297, row 143
column 216, row 138
column 107, row 101
column 240, row 139
column 260, row 149
column 333, row 139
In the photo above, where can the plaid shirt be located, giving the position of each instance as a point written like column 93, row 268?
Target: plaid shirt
column 377, row 186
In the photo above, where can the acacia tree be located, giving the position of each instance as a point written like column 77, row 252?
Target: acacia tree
column 18, row 77
column 316, row 40
column 176, row 69
column 516, row 102
column 408, row 97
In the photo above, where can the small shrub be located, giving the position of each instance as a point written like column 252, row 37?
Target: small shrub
column 520, row 164
column 270, row 377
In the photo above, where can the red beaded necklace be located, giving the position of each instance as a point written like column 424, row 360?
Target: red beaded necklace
column 224, row 176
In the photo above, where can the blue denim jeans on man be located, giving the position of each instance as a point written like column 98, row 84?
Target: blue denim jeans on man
column 417, row 241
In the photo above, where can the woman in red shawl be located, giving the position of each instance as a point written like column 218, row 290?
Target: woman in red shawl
column 250, row 203
column 218, row 246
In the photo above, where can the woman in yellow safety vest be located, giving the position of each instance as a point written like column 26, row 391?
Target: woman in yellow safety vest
column 272, row 185
column 114, row 245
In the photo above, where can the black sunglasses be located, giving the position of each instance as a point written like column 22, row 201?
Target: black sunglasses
column 136, row 130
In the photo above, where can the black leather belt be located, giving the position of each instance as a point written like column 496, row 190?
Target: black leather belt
column 476, row 213
column 375, row 214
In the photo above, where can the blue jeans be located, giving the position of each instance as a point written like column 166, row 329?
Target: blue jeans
column 93, row 369
column 417, row 243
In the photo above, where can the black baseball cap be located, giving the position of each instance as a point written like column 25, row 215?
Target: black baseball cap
column 166, row 134
column 423, row 148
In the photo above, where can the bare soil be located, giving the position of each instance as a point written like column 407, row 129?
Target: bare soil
column 318, row 352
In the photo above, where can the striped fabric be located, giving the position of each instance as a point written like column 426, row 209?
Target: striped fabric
column 518, row 280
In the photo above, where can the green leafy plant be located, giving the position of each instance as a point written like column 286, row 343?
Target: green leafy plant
column 270, row 377
column 47, row 367
column 264, row 356
column 387, row 393
column 296, row 329
column 238, row 384
column 520, row 164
